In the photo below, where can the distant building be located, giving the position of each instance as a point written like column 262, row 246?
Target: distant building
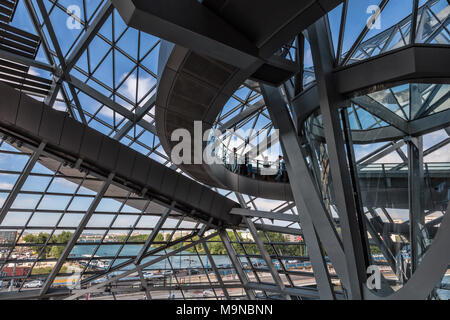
column 11, row 271
column 293, row 238
column 8, row 236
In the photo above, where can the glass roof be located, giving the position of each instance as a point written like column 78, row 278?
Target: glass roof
column 110, row 78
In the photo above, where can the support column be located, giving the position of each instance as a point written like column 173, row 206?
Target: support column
column 299, row 57
column 314, row 220
column 349, row 212
column 416, row 212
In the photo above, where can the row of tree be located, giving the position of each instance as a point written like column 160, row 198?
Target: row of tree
column 159, row 239
column 274, row 241
column 51, row 249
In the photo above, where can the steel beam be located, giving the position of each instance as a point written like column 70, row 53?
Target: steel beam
column 415, row 190
column 138, row 119
column 21, row 181
column 142, row 267
column 348, row 210
column 46, row 47
column 243, row 115
column 111, row 104
column 265, row 255
column 278, row 229
column 81, row 46
column 236, row 263
column 144, row 284
column 265, row 215
column 153, row 235
column 377, row 109
column 89, row 35
column 314, row 220
column 380, row 154
column 60, row 55
column 72, row 242
column 216, row 271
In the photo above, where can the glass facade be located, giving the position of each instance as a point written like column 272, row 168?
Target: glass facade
column 75, row 230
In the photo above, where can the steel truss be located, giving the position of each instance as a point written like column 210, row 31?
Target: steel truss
column 281, row 255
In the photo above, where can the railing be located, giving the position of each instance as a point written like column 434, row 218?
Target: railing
column 17, row 75
column 247, row 166
column 7, row 10
column 18, row 41
column 402, row 167
column 269, row 170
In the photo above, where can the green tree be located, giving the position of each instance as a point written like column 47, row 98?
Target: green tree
column 38, row 240
column 62, row 238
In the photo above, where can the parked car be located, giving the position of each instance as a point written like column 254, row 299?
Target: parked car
column 33, row 284
column 192, row 272
column 100, row 280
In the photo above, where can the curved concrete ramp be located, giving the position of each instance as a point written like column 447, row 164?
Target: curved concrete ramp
column 192, row 88
column 195, row 88
column 33, row 120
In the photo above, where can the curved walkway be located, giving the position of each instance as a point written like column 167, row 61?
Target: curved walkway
column 195, row 88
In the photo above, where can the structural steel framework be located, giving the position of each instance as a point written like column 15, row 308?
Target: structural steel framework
column 358, row 107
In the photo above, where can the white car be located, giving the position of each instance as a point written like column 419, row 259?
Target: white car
column 101, row 280
column 33, row 284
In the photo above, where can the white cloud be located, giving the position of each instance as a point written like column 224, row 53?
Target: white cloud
column 440, row 155
column 33, row 72
column 267, row 204
column 145, row 84
column 60, row 106
column 6, row 186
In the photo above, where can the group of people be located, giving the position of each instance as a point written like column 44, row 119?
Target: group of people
column 263, row 170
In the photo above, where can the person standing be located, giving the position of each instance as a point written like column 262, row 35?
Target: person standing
column 233, row 160
column 281, row 168
column 248, row 165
